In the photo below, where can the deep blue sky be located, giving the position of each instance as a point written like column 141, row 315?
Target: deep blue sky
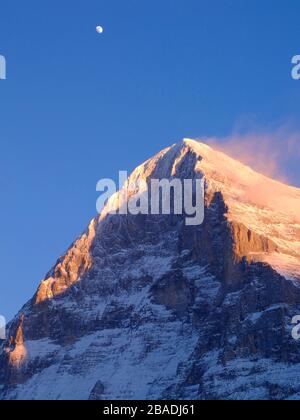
column 78, row 106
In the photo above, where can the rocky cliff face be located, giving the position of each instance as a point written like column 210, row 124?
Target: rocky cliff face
column 145, row 307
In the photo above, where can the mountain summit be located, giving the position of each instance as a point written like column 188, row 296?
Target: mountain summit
column 145, row 307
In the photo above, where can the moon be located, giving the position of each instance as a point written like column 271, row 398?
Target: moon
column 99, row 29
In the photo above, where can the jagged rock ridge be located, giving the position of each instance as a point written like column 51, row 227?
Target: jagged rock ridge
column 147, row 307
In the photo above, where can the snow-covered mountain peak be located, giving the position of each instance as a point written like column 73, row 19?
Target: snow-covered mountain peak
column 264, row 206
column 260, row 205
column 146, row 307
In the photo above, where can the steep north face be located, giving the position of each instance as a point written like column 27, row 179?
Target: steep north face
column 145, row 307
